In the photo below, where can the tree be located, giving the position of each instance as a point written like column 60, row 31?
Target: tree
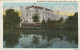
column 49, row 24
column 72, row 22
column 43, row 24
column 11, row 19
column 35, row 18
column 60, row 20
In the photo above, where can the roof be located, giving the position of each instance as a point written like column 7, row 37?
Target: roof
column 38, row 7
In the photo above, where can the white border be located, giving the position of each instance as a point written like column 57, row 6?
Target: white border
column 24, row 1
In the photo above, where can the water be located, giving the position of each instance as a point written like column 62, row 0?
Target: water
column 40, row 39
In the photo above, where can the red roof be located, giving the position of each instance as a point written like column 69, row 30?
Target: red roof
column 38, row 7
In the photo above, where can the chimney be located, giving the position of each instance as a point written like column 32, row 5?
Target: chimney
column 34, row 4
column 51, row 8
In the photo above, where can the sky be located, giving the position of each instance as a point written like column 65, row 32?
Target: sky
column 62, row 7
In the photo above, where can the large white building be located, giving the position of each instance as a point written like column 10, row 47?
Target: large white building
column 44, row 13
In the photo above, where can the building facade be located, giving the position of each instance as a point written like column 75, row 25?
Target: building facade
column 44, row 13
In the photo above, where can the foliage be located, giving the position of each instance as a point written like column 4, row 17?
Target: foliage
column 43, row 24
column 72, row 22
column 11, row 19
column 59, row 23
column 35, row 40
column 60, row 20
column 35, row 18
column 49, row 24
column 11, row 37
column 52, row 24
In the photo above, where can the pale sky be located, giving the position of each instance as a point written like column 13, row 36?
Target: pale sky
column 66, row 7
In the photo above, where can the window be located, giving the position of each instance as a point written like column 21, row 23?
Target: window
column 30, row 18
column 43, row 12
column 38, row 17
column 29, row 14
column 46, row 13
column 39, row 10
column 26, row 21
column 38, row 13
column 30, row 21
column 26, row 14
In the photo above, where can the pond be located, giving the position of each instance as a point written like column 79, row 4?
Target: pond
column 40, row 39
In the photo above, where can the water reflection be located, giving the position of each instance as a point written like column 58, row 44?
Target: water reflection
column 11, row 38
column 42, row 39
column 35, row 40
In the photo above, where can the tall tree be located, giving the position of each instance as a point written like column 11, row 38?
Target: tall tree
column 49, row 23
column 60, row 20
column 43, row 24
column 72, row 22
column 11, row 19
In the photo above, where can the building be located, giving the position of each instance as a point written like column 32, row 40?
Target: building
column 42, row 12
column 27, row 13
